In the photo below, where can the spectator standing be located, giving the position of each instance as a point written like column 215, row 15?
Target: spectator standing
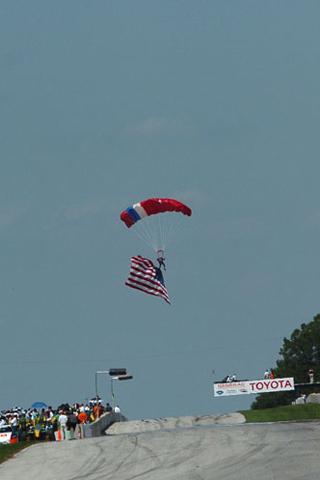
column 35, row 417
column 22, row 428
column 82, row 417
column 98, row 410
column 43, row 418
column 72, row 421
column 49, row 414
column 266, row 374
column 311, row 375
column 63, row 419
column 14, row 422
column 55, row 421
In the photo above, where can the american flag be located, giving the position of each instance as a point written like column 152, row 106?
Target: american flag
column 146, row 277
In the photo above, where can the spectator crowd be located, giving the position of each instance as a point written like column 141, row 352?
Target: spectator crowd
column 46, row 420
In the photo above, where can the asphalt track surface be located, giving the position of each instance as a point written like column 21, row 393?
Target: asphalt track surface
column 186, row 448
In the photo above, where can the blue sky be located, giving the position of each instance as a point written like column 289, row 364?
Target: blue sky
column 106, row 103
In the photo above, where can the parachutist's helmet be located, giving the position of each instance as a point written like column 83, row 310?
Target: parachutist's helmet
column 160, row 254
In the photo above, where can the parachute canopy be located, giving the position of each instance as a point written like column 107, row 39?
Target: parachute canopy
column 152, row 206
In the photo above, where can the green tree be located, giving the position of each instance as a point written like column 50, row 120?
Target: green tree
column 299, row 353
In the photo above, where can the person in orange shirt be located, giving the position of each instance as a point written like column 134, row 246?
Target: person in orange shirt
column 98, row 411
column 83, row 417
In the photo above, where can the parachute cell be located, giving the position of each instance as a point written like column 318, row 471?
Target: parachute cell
column 152, row 206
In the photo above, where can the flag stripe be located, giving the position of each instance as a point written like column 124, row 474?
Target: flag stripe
column 147, row 284
column 146, row 281
column 143, row 288
column 142, row 277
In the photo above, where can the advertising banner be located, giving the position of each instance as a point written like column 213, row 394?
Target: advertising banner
column 234, row 388
column 253, row 386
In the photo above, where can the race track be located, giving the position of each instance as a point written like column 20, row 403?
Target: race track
column 186, row 448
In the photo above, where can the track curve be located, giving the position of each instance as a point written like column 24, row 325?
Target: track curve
column 188, row 448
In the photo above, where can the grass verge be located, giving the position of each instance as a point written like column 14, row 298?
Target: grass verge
column 310, row 411
column 8, row 451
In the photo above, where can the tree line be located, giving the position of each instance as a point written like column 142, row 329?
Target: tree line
column 298, row 354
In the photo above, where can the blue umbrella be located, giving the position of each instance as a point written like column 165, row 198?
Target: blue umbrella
column 38, row 405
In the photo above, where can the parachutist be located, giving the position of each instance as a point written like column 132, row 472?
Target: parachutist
column 161, row 259
column 159, row 276
column 161, row 263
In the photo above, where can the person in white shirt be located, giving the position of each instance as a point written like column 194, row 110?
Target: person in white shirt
column 14, row 421
column 63, row 424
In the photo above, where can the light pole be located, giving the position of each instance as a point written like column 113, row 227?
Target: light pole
column 112, row 394
column 122, row 377
column 96, row 380
column 115, row 374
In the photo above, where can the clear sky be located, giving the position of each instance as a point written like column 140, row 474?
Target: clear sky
column 106, row 103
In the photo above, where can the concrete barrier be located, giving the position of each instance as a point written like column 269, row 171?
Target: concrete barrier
column 99, row 426
column 313, row 398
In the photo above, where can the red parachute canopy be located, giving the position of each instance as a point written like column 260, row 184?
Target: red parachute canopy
column 152, row 206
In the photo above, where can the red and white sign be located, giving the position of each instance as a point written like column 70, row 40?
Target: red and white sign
column 273, row 385
column 253, row 386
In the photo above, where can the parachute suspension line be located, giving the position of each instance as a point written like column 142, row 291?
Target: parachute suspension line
column 161, row 220
column 165, row 227
column 149, row 231
column 164, row 231
column 169, row 229
column 155, row 231
column 145, row 233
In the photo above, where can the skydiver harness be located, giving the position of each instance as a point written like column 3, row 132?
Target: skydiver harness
column 161, row 259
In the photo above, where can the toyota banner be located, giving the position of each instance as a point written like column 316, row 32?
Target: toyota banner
column 253, row 386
